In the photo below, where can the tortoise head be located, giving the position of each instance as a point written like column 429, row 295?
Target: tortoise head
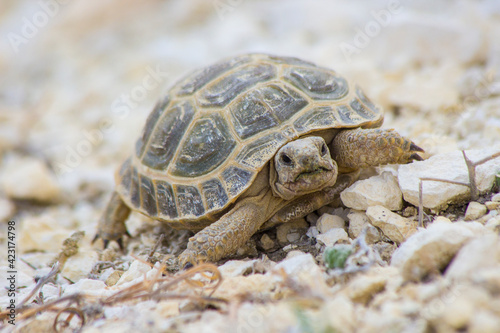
column 302, row 166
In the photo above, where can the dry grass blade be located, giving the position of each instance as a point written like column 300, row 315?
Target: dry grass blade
column 40, row 283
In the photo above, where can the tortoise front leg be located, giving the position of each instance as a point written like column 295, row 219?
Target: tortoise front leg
column 361, row 148
column 111, row 226
column 224, row 237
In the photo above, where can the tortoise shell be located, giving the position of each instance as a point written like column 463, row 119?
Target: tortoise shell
column 206, row 141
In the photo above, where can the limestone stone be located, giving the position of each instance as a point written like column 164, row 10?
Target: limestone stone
column 333, row 236
column 430, row 250
column 474, row 211
column 496, row 197
column 359, row 221
column 237, row 286
column 7, row 209
column 266, row 242
column 492, row 205
column 364, row 287
column 136, row 270
column 28, row 178
column 327, row 222
column 377, row 190
column 394, row 226
column 79, row 265
column 479, row 253
column 41, row 233
column 448, row 166
column 243, row 267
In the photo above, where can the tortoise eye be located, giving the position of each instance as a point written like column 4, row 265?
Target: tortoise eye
column 285, row 159
column 324, row 150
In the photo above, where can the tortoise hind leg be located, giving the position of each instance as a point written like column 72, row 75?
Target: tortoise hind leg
column 361, row 148
column 111, row 225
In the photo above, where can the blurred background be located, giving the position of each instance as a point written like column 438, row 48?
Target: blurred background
column 78, row 79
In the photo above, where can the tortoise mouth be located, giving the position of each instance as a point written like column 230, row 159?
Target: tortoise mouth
column 312, row 180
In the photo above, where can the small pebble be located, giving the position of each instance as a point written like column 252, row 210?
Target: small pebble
column 492, row 205
column 266, row 242
column 327, row 222
column 474, row 211
column 496, row 197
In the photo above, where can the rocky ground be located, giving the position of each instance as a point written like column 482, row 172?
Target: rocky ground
column 78, row 81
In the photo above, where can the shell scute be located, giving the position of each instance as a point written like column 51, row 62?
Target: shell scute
column 166, row 137
column 225, row 89
column 208, row 143
column 318, row 83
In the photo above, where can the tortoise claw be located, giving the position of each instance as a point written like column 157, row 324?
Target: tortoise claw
column 416, row 157
column 414, row 147
column 106, row 243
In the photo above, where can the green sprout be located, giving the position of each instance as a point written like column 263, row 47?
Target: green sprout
column 336, row 256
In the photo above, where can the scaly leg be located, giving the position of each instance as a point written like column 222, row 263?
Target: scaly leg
column 224, row 237
column 361, row 148
column 112, row 223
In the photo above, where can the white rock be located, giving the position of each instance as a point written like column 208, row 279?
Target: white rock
column 474, row 211
column 327, row 222
column 312, row 232
column 479, row 253
column 136, row 270
column 88, row 287
column 29, row 179
column 394, row 226
column 333, row 236
column 239, row 267
column 448, row 166
column 496, row 197
column 492, row 205
column 304, row 269
column 41, row 233
column 377, row 190
column 358, row 221
column 484, row 322
column 7, row 209
column 80, row 265
column 430, row 250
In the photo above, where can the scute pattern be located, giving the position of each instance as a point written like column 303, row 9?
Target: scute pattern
column 264, row 108
column 166, row 200
column 189, row 201
column 316, row 118
column 200, row 78
column 169, row 131
column 236, row 179
column 208, row 143
column 204, row 143
column 148, row 196
column 214, row 194
column 255, row 154
column 150, row 125
column 224, row 90
column 318, row 83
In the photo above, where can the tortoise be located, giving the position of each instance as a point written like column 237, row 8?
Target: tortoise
column 245, row 144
